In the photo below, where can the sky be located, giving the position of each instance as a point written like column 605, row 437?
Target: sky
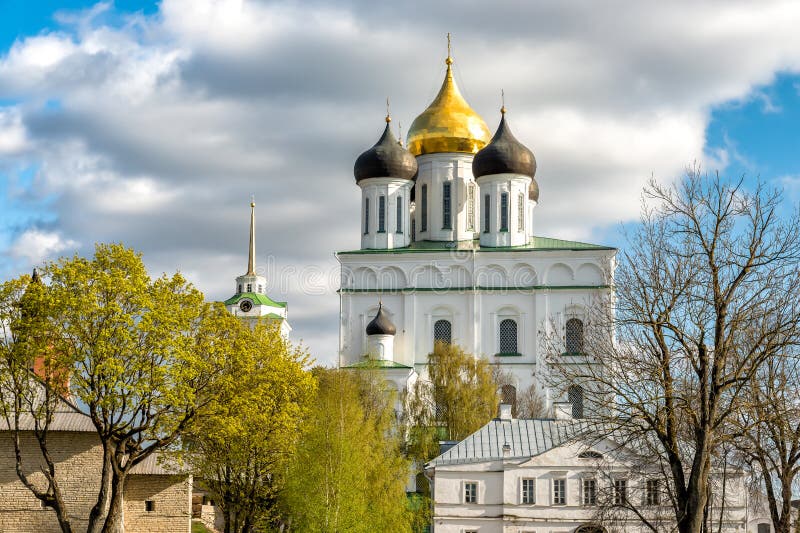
column 153, row 123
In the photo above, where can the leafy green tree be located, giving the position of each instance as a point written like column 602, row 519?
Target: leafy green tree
column 349, row 473
column 27, row 395
column 242, row 447
column 139, row 356
column 458, row 396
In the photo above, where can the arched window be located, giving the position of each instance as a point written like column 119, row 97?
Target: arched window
column 508, row 395
column 504, row 211
column 424, row 206
column 590, row 528
column 447, row 201
column 521, row 213
column 443, row 331
column 574, row 336
column 399, row 214
column 487, row 205
column 508, row 336
column 249, row 287
column 381, row 214
column 575, row 397
column 240, row 287
column 366, row 216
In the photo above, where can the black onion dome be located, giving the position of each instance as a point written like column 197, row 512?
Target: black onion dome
column 504, row 155
column 381, row 325
column 386, row 159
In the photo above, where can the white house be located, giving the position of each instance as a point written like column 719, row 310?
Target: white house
column 515, row 476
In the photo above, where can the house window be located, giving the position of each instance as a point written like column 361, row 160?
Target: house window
column 260, row 288
column 366, row 216
column 443, row 331
column 574, row 336
column 381, row 214
column 413, row 229
column 471, row 492
column 528, row 491
column 508, row 336
column 763, row 527
column 559, row 491
column 249, row 287
column 620, row 491
column 240, row 287
column 589, row 491
column 521, row 213
column 652, row 492
column 487, row 205
column 149, row 506
column 508, row 395
column 504, row 211
column 399, row 214
column 575, row 397
column 447, row 222
column 424, row 212
column 471, row 207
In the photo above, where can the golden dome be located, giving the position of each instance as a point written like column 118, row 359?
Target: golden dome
column 449, row 124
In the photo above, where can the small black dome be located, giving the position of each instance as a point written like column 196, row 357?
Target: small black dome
column 381, row 325
column 386, row 159
column 533, row 190
column 504, row 155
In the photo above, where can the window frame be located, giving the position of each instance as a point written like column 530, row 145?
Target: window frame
column 366, row 216
column 449, row 322
column 576, row 325
column 620, row 497
column 423, row 215
column 382, row 213
column 523, row 494
column 500, row 332
column 652, row 492
column 447, row 205
column 521, row 213
column 399, row 208
column 503, row 211
column 576, row 392
column 471, row 207
column 487, row 213
column 559, row 497
column 470, row 496
column 589, row 491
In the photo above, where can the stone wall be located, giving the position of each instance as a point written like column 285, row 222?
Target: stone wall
column 78, row 458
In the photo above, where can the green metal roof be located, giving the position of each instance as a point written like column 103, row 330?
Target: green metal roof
column 536, row 243
column 262, row 299
column 376, row 363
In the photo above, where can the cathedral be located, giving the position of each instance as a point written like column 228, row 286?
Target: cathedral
column 449, row 252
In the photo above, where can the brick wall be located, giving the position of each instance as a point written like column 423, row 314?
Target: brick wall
column 78, row 458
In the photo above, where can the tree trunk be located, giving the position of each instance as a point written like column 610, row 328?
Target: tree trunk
column 97, row 517
column 115, row 521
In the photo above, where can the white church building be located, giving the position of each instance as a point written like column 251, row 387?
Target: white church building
column 449, row 252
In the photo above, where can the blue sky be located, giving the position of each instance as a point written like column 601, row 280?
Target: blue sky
column 152, row 123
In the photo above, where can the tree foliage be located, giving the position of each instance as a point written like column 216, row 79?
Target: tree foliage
column 241, row 448
column 348, row 474
column 456, row 398
column 706, row 295
column 137, row 355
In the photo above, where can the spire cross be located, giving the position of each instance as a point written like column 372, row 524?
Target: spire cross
column 251, row 257
column 449, row 59
column 400, row 133
column 388, row 115
column 503, row 101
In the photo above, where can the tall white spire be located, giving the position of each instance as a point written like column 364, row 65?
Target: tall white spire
column 251, row 259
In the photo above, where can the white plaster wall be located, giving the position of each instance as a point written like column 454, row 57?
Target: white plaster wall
column 516, row 186
column 434, row 170
column 392, row 189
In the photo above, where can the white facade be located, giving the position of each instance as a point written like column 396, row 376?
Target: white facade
column 474, row 290
column 540, row 479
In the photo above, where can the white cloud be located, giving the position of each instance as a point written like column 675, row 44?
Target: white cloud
column 166, row 124
column 37, row 245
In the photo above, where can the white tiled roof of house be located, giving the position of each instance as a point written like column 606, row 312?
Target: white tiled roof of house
column 524, row 438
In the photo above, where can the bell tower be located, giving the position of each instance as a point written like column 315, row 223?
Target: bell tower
column 250, row 302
